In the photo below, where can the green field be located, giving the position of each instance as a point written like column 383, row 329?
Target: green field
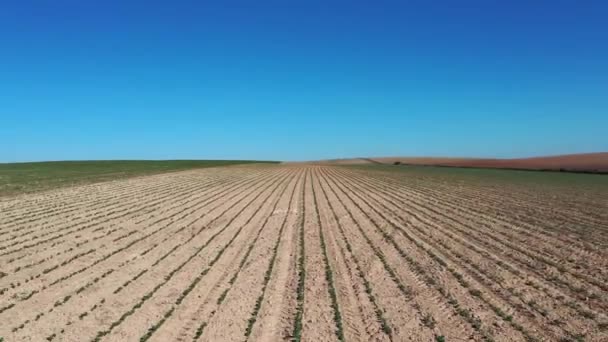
column 28, row 177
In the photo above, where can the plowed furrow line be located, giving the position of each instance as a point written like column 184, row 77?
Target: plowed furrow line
column 119, row 201
column 120, row 211
column 533, row 301
column 369, row 309
column 164, row 214
column 318, row 319
column 173, row 250
column 183, row 244
column 530, row 198
column 553, row 211
column 269, row 271
column 163, row 218
column 193, row 283
column 134, row 193
column 46, row 270
column 572, row 289
column 126, row 247
column 481, row 281
column 86, row 196
column 528, row 257
column 458, row 207
column 134, row 209
column 329, row 273
column 422, row 307
column 110, row 224
column 275, row 318
column 54, row 206
column 301, row 269
column 437, row 212
column 194, row 286
column 460, row 296
column 574, row 212
column 180, row 186
column 59, row 199
column 494, row 303
column 106, row 221
column 216, row 294
column 502, row 207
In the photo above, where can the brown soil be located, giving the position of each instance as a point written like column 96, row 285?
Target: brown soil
column 304, row 252
column 590, row 162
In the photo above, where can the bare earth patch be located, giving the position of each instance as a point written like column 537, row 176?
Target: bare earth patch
column 306, row 253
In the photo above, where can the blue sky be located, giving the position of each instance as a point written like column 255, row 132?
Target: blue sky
column 301, row 80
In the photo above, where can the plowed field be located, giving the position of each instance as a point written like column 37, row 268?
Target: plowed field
column 304, row 253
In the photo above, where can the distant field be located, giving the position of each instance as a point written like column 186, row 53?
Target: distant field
column 582, row 162
column 27, row 177
column 480, row 176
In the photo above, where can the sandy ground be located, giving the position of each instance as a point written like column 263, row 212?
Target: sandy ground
column 303, row 252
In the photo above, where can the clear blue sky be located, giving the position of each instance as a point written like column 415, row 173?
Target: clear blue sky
column 301, row 80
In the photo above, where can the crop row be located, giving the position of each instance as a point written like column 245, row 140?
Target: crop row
column 128, row 245
column 167, row 278
column 258, row 185
column 234, row 277
column 479, row 273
